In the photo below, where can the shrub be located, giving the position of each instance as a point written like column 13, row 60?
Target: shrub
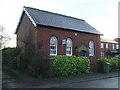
column 66, row 65
column 114, row 63
column 40, row 64
column 11, row 57
column 32, row 63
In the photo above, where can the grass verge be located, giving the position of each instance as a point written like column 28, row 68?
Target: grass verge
column 16, row 77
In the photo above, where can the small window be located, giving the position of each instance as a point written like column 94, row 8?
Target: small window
column 69, row 47
column 102, row 54
column 91, row 48
column 53, row 46
column 113, row 46
column 102, row 45
column 117, row 46
column 106, row 45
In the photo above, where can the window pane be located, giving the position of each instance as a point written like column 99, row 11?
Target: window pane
column 68, row 52
column 53, row 46
column 113, row 46
column 106, row 45
column 102, row 54
column 52, row 52
column 102, row 45
column 117, row 46
column 91, row 48
column 69, row 47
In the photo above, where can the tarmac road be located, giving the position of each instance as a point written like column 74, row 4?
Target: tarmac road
column 94, row 80
column 103, row 83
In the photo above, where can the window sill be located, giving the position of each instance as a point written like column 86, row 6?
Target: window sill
column 68, row 55
column 53, row 54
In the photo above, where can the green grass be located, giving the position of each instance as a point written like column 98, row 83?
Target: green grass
column 16, row 77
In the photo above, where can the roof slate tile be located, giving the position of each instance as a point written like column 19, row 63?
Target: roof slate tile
column 60, row 21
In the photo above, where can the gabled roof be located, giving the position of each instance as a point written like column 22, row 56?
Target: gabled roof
column 45, row 18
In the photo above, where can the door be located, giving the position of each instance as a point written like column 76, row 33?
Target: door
column 82, row 53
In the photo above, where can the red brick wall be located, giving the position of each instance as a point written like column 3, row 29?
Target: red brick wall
column 44, row 34
column 24, row 30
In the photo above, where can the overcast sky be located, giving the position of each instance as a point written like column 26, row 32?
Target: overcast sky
column 101, row 14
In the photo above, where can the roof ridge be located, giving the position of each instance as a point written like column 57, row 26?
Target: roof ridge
column 54, row 13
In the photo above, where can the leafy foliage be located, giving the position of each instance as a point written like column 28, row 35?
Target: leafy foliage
column 39, row 65
column 66, row 65
column 114, row 63
column 11, row 57
column 32, row 63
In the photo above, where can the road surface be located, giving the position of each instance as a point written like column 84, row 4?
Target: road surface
column 103, row 83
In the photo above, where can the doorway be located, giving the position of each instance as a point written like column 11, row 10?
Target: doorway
column 82, row 53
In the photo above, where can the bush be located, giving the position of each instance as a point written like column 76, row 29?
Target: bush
column 66, row 65
column 11, row 57
column 114, row 63
column 32, row 63
column 39, row 64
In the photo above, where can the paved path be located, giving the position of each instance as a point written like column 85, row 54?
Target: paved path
column 58, row 83
column 6, row 80
column 102, row 83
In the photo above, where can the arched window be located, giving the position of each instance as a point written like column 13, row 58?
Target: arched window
column 69, row 47
column 53, row 46
column 91, row 48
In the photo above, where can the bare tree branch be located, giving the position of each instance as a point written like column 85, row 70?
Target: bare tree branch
column 4, row 37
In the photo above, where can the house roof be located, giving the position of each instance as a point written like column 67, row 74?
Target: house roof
column 45, row 18
column 108, row 41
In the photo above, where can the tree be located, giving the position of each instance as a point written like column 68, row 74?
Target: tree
column 4, row 37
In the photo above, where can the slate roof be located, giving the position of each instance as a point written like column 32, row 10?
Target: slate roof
column 46, row 18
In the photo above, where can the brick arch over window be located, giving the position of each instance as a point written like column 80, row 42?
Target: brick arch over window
column 69, row 47
column 91, row 48
column 53, row 46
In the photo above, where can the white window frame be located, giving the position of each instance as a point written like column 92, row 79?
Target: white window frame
column 106, row 45
column 102, row 45
column 56, row 45
column 91, row 48
column 69, row 46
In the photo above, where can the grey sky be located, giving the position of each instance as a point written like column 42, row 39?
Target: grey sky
column 101, row 14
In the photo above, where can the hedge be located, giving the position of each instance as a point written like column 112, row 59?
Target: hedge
column 11, row 57
column 114, row 63
column 70, row 65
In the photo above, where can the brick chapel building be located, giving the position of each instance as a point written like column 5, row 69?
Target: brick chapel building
column 58, row 34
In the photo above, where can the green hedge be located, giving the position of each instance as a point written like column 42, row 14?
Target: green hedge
column 114, row 63
column 11, row 57
column 66, row 65
column 32, row 63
